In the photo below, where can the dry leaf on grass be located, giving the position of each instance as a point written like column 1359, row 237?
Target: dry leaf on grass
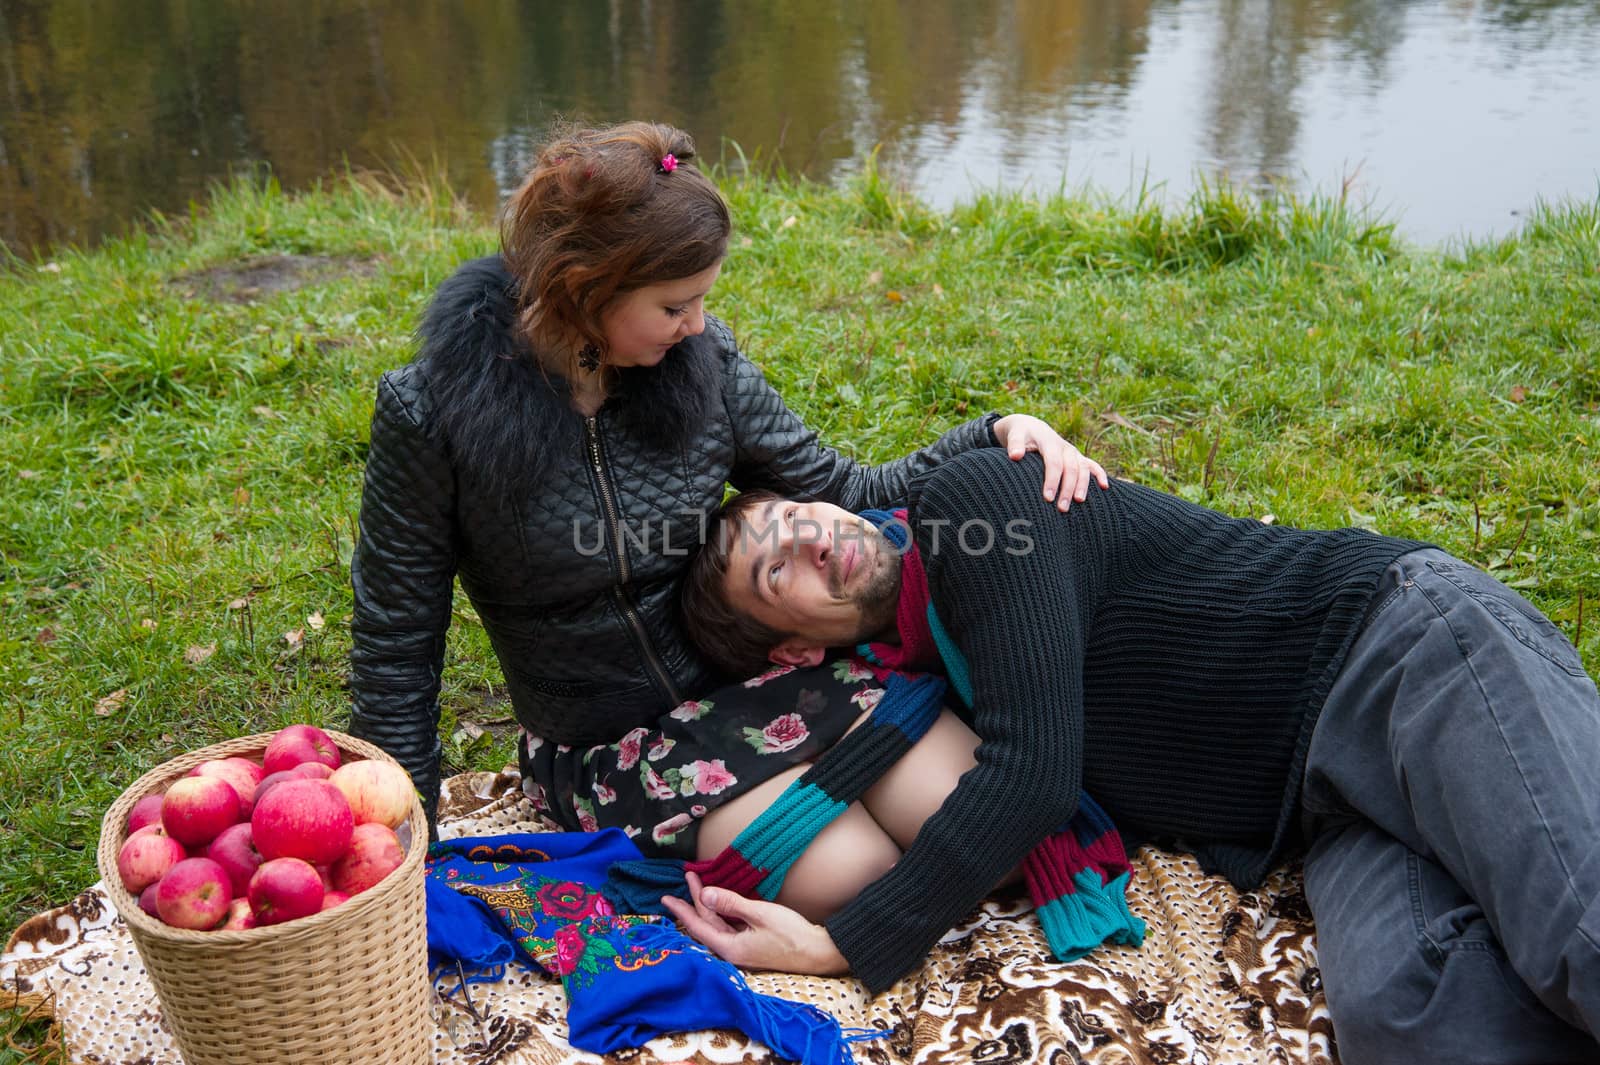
column 315, row 621
column 110, row 704
column 195, row 653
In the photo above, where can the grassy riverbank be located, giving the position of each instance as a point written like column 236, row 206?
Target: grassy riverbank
column 183, row 420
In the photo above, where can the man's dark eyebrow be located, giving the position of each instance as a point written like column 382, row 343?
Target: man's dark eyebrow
column 755, row 567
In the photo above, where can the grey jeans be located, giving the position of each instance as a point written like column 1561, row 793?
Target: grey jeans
column 1452, row 806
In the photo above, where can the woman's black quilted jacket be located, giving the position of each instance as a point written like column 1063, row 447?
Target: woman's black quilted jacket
column 569, row 534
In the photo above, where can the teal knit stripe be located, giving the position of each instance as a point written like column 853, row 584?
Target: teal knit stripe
column 955, row 663
column 1096, row 913
column 776, row 839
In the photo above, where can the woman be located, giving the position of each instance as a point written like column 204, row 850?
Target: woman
column 570, row 418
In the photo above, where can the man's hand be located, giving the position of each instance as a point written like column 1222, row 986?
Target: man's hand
column 1067, row 471
column 754, row 934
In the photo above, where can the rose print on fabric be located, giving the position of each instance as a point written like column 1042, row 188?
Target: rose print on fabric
column 850, row 670
column 867, row 698
column 771, row 674
column 654, row 785
column 701, row 777
column 628, row 748
column 603, row 795
column 693, row 710
column 667, row 831
column 659, row 749
column 781, row 734
column 585, row 811
column 536, row 795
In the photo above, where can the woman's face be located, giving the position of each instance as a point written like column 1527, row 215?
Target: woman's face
column 642, row 325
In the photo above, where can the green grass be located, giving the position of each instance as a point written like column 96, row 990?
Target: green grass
column 181, row 473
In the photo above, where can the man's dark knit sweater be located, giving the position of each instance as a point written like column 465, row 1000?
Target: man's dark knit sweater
column 1165, row 658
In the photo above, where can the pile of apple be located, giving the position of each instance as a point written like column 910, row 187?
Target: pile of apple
column 236, row 844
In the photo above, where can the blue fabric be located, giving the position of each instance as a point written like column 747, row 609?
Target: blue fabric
column 628, row 978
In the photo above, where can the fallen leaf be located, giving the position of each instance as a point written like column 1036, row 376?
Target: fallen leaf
column 875, row 278
column 110, row 704
column 241, row 496
column 194, row 654
column 295, row 638
column 894, row 296
column 238, row 604
column 46, row 635
column 168, row 738
column 469, row 730
column 315, row 621
column 938, row 290
column 1518, row 393
column 50, row 268
column 147, row 623
column 265, row 412
column 1116, row 419
column 1011, row 386
column 27, row 475
column 1268, row 519
column 790, row 222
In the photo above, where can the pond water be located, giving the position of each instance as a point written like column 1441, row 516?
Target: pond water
column 1452, row 117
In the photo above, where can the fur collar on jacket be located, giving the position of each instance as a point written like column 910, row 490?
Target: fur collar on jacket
column 506, row 421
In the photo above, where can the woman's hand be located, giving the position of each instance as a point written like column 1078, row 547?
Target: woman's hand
column 753, row 934
column 1067, row 471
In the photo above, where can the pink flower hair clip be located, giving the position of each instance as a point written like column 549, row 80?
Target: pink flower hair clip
column 668, row 164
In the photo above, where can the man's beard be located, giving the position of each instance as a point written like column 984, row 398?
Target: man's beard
column 878, row 598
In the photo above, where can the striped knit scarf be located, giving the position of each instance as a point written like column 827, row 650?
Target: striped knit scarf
column 1077, row 877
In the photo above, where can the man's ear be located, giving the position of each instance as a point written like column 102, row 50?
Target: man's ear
column 797, row 652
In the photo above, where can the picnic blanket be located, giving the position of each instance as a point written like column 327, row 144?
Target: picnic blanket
column 1222, row 978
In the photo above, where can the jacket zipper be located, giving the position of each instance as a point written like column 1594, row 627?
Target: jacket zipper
column 619, row 558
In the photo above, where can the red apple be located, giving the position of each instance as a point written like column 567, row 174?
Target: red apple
column 272, row 780
column 283, row 889
column 378, row 792
column 240, row 916
column 241, row 773
column 194, row 894
column 234, row 849
column 146, row 857
column 147, row 902
column 307, row 819
column 325, row 871
column 374, row 853
column 197, row 808
column 299, row 743
column 311, row 771
column 330, row 899
column 147, row 811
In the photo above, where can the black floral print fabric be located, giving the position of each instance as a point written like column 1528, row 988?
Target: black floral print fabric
column 656, row 784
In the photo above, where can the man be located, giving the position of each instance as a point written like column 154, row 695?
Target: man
column 1240, row 690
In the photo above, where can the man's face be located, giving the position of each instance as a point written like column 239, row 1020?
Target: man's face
column 816, row 570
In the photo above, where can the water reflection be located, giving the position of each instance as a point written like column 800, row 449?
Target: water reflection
column 1452, row 113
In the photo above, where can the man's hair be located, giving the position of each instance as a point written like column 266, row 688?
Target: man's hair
column 599, row 216
column 734, row 641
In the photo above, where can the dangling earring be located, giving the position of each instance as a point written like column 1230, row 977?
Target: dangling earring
column 589, row 358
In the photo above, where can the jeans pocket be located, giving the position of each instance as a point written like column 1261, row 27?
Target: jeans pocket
column 1515, row 614
column 1453, row 929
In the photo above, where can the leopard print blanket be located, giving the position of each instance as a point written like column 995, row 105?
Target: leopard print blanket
column 1222, row 979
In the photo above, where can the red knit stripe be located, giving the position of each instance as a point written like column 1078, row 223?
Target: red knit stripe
column 1108, row 855
column 730, row 870
column 1048, row 868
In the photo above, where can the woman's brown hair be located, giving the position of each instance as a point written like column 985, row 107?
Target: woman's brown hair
column 599, row 216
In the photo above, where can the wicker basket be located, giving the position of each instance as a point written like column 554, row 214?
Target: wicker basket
column 348, row 986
